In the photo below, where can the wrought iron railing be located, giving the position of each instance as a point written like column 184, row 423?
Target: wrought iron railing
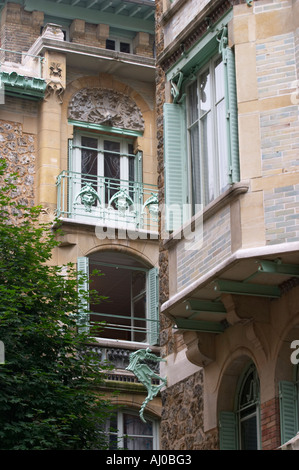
column 112, row 202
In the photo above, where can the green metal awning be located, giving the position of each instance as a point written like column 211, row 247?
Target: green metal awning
column 199, row 314
column 21, row 86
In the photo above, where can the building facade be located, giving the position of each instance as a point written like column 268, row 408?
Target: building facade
column 77, row 120
column 228, row 133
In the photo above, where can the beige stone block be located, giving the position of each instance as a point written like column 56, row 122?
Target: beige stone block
column 275, row 181
column 50, row 121
column 48, row 156
column 30, row 125
column 47, row 194
column 103, row 31
column 252, row 219
column 246, row 72
column 242, row 29
column 249, row 146
column 49, row 138
column 77, row 28
column 47, row 175
column 274, row 23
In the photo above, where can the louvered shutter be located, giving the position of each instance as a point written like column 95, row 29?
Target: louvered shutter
column 232, row 113
column 228, row 431
column 152, row 306
column 175, row 162
column 138, row 167
column 288, row 410
column 83, row 286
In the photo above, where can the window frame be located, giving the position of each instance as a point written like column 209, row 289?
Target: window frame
column 117, row 42
column 151, row 307
column 198, row 192
column 119, row 431
column 177, row 166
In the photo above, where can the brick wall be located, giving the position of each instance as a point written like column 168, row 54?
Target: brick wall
column 282, row 214
column 215, row 247
column 19, row 29
column 270, row 426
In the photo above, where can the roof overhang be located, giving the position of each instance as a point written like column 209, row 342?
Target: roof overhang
column 261, row 272
column 95, row 60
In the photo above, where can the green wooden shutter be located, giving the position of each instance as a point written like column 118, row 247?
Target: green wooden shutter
column 138, row 167
column 83, row 286
column 153, row 306
column 175, row 161
column 232, row 113
column 228, row 431
column 288, row 410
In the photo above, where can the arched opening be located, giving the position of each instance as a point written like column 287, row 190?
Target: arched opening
column 129, row 309
column 239, row 406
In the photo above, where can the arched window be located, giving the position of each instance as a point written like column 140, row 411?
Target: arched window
column 240, row 429
column 248, row 411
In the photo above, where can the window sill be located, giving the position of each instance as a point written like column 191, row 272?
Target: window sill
column 86, row 226
column 121, row 344
column 221, row 201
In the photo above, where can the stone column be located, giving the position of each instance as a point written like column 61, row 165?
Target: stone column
column 49, row 131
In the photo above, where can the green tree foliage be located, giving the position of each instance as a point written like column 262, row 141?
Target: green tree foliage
column 50, row 379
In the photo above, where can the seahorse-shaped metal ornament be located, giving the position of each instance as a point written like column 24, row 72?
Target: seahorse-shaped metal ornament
column 145, row 374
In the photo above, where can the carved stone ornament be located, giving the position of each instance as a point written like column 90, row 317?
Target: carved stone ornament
column 107, row 108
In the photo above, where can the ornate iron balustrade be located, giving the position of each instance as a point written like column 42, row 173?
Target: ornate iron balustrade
column 112, row 202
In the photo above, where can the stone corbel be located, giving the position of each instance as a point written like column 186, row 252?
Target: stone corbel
column 54, row 88
column 200, row 347
column 54, row 83
column 232, row 317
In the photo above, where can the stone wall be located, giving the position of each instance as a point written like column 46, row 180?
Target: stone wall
column 182, row 417
column 18, row 150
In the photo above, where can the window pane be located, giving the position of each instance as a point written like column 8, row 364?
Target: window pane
column 111, row 168
column 249, row 434
column 134, row 426
column 219, row 80
column 192, row 103
column 205, row 92
column 138, row 443
column 195, row 164
column 124, row 47
column 222, row 146
column 207, row 150
column 89, row 162
column 110, row 44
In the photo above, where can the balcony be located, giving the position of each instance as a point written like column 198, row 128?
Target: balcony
column 109, row 202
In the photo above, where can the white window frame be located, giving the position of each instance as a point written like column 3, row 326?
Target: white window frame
column 117, row 41
column 218, row 174
column 119, row 432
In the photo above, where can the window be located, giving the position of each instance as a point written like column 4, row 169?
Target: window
column 126, row 431
column 200, row 130
column 104, row 171
column 206, row 126
column 240, row 429
column 248, row 411
column 131, row 310
column 118, row 45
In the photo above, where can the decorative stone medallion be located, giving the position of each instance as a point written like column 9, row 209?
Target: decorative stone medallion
column 107, row 108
